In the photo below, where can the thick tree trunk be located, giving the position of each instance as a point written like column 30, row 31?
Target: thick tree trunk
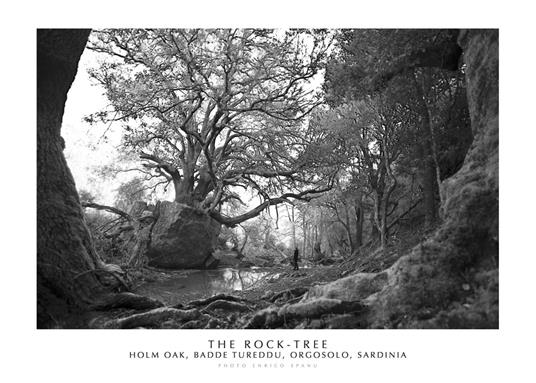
column 184, row 191
column 66, row 257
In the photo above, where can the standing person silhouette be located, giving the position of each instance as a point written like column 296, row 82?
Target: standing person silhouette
column 296, row 255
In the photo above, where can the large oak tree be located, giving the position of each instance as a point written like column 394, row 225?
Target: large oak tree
column 211, row 111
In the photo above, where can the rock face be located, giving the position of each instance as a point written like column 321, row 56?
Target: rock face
column 182, row 237
column 352, row 288
column 451, row 280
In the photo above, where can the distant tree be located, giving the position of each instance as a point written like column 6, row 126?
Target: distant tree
column 86, row 196
column 129, row 192
column 368, row 139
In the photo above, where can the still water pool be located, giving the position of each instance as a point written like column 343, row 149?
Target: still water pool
column 184, row 286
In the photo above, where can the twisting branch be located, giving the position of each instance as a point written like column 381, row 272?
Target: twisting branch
column 306, row 195
column 110, row 209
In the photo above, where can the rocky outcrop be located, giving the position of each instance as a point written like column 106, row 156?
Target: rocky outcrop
column 451, row 280
column 352, row 288
column 182, row 237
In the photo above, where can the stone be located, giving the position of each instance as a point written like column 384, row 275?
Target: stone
column 310, row 309
column 182, row 237
column 352, row 288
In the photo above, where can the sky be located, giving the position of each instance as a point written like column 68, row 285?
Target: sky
column 84, row 148
column 91, row 146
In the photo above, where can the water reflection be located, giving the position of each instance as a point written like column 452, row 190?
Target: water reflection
column 199, row 284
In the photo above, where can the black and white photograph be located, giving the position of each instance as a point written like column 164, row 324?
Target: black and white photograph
column 267, row 178
column 267, row 191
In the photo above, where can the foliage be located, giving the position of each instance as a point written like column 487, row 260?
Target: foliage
column 129, row 192
column 215, row 110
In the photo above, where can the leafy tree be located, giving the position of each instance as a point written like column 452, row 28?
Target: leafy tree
column 210, row 111
column 129, row 192
column 394, row 66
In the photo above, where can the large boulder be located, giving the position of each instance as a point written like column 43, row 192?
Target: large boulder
column 182, row 237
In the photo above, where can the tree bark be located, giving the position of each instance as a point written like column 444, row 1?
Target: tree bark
column 430, row 170
column 65, row 253
column 374, row 233
column 304, row 229
column 429, row 193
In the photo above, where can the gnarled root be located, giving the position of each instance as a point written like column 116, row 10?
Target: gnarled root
column 126, row 300
column 274, row 317
column 154, row 318
column 219, row 297
column 227, row 305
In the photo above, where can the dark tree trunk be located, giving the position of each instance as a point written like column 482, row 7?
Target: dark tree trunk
column 65, row 253
column 429, row 186
column 430, row 168
column 183, row 193
column 374, row 233
column 359, row 214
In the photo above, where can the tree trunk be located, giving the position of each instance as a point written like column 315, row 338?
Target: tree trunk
column 374, row 233
column 429, row 122
column 429, row 186
column 184, row 191
column 383, row 227
column 304, row 228
column 292, row 218
column 66, row 257
column 430, row 176
column 359, row 214
column 313, row 242
column 294, row 228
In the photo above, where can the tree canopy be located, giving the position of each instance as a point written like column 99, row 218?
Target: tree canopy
column 210, row 111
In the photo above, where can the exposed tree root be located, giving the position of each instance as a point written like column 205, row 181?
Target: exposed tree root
column 274, row 317
column 219, row 297
column 128, row 301
column 227, row 305
column 288, row 294
column 112, row 270
column 154, row 318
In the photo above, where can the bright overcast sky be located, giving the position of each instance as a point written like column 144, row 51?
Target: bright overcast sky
column 85, row 148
